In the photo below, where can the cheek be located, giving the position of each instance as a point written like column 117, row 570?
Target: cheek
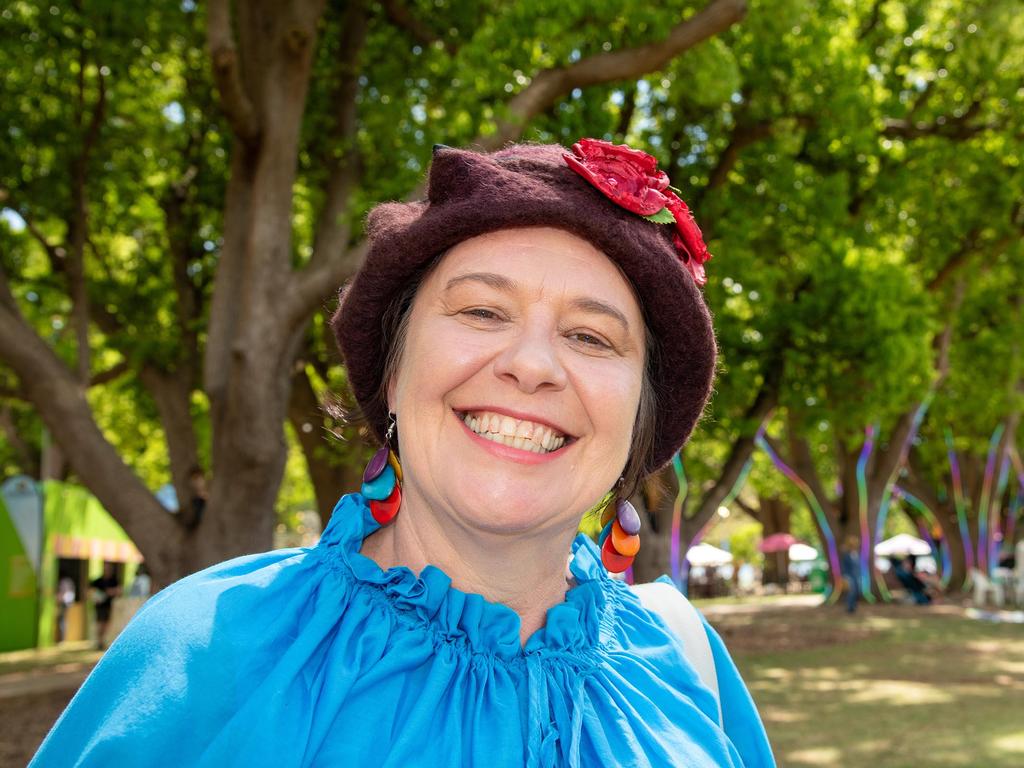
column 611, row 395
column 439, row 354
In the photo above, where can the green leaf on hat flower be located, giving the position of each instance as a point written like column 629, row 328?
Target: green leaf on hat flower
column 664, row 216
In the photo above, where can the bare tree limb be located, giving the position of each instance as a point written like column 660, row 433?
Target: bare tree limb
column 551, row 84
column 227, row 72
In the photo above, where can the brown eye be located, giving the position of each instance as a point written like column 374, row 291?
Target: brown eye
column 590, row 340
column 479, row 313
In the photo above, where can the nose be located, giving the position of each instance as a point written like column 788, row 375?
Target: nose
column 531, row 362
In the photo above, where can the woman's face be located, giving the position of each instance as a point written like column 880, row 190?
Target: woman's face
column 519, row 383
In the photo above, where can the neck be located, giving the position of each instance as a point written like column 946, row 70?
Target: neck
column 524, row 571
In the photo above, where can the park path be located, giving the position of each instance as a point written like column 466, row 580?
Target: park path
column 45, row 670
column 712, row 608
column 61, row 678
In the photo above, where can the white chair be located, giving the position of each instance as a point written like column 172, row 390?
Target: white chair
column 1017, row 586
column 1018, row 574
column 983, row 587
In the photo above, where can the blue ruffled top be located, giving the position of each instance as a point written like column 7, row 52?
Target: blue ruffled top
column 318, row 657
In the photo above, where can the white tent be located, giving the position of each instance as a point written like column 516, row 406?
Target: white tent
column 902, row 544
column 800, row 553
column 707, row 556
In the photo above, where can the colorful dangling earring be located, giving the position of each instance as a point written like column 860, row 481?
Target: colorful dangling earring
column 620, row 535
column 382, row 479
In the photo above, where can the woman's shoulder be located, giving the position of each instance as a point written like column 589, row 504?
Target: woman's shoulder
column 663, row 632
column 230, row 597
column 194, row 654
column 202, row 605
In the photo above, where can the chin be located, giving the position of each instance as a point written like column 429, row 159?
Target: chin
column 498, row 510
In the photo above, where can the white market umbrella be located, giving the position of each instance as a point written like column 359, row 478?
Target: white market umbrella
column 801, row 553
column 902, row 544
column 707, row 556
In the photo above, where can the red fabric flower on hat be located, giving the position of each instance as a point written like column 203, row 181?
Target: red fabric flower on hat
column 630, row 178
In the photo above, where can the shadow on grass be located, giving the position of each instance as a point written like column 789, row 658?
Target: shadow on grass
column 892, row 686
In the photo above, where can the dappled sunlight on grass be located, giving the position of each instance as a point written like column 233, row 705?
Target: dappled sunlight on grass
column 820, row 756
column 780, row 715
column 1012, row 744
column 890, row 687
column 896, row 693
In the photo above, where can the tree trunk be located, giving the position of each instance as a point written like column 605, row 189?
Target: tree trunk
column 774, row 515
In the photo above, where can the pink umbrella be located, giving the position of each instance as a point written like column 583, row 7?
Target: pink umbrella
column 777, row 542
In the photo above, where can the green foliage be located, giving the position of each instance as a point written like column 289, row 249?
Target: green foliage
column 839, row 157
column 743, row 542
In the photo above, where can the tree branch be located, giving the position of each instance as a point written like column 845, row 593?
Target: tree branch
column 401, row 16
column 330, row 263
column 29, row 463
column 551, row 84
column 742, row 449
column 227, row 73
column 626, row 113
column 971, row 243
column 742, row 137
column 328, row 269
column 113, row 372
column 957, row 128
column 54, row 253
column 871, row 21
column 60, row 402
column 803, row 464
column 12, row 393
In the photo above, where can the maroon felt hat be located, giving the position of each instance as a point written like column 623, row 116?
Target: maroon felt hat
column 526, row 185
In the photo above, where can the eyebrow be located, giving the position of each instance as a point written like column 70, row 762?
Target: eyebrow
column 506, row 285
column 598, row 307
column 491, row 279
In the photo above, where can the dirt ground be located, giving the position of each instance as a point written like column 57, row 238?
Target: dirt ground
column 25, row 720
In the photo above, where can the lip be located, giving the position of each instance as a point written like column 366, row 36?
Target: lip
column 518, row 415
column 509, row 452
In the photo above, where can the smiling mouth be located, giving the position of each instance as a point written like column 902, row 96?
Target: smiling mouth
column 515, row 433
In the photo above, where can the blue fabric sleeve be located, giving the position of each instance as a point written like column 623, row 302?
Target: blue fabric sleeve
column 742, row 723
column 166, row 683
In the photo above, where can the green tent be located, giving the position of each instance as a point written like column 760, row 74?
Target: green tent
column 78, row 538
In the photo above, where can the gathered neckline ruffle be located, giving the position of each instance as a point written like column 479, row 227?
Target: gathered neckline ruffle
column 468, row 620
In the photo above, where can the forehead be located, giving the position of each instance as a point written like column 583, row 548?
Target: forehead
column 542, row 259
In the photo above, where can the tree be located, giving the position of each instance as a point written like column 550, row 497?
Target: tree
column 829, row 179
column 315, row 109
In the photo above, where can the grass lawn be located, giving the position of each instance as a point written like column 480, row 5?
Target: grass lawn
column 892, row 686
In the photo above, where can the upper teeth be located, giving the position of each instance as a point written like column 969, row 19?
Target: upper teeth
column 526, row 435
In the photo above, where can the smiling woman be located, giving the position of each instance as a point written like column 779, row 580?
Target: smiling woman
column 527, row 344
